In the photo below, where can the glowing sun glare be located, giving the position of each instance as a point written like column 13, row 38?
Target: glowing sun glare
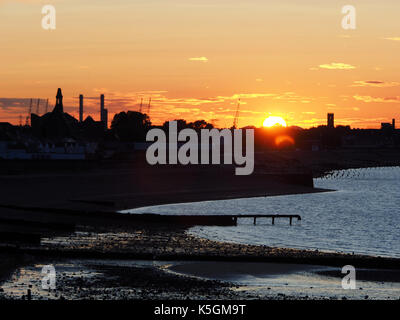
column 272, row 121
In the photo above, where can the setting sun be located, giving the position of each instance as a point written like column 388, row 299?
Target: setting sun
column 272, row 121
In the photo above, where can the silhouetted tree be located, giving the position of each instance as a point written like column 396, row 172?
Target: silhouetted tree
column 201, row 124
column 130, row 126
column 182, row 124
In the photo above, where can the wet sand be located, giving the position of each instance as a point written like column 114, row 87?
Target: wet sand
column 235, row 270
column 96, row 280
column 198, row 268
column 294, row 280
column 87, row 279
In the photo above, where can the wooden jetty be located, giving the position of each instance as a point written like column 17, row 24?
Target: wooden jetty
column 186, row 220
column 272, row 216
column 208, row 220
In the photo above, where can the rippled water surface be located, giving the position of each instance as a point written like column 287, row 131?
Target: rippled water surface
column 362, row 216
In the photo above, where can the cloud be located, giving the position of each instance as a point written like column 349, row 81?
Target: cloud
column 332, row 106
column 392, row 38
column 16, row 103
column 164, row 106
column 15, row 110
column 369, row 99
column 375, row 83
column 201, row 59
column 337, row 66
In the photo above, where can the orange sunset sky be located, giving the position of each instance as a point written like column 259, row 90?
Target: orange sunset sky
column 195, row 58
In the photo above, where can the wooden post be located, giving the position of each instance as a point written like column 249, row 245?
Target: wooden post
column 255, row 220
column 290, row 220
column 273, row 220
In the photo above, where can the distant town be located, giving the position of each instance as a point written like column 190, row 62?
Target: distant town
column 56, row 135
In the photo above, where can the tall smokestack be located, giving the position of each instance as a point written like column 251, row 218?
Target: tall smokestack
column 80, row 108
column 394, row 124
column 101, row 104
column 103, row 112
column 331, row 120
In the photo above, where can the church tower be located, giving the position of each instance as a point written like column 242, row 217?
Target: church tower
column 59, row 102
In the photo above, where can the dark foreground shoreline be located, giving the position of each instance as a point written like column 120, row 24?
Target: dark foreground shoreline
column 108, row 245
column 53, row 199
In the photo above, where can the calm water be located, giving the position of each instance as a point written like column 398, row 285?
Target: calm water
column 362, row 216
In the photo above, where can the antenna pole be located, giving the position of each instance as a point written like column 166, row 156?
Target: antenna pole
column 37, row 107
column 236, row 119
column 148, row 107
column 29, row 114
column 141, row 105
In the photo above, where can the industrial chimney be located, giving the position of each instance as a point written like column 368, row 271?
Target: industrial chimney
column 103, row 112
column 101, row 105
column 331, row 120
column 80, row 108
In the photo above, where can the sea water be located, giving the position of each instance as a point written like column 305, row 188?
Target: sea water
column 361, row 216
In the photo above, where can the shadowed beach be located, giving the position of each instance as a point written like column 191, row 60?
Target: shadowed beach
column 87, row 203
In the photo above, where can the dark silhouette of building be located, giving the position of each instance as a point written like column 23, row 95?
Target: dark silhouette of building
column 103, row 113
column 59, row 124
column 386, row 126
column 59, row 102
column 54, row 124
column 331, row 120
column 80, row 108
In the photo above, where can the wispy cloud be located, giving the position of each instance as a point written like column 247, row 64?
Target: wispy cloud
column 308, row 112
column 344, row 36
column 369, row 99
column 392, row 38
column 332, row 106
column 200, row 59
column 337, row 66
column 374, row 83
column 14, row 103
